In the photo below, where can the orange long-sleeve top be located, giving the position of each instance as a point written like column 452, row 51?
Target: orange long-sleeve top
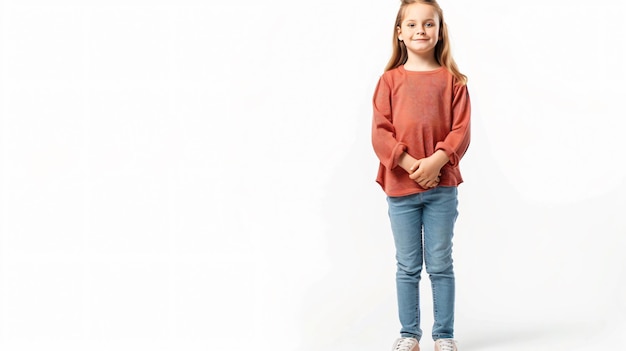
column 419, row 112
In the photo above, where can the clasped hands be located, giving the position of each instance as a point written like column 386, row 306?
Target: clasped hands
column 426, row 171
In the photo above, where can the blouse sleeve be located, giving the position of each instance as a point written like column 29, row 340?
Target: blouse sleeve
column 457, row 141
column 386, row 147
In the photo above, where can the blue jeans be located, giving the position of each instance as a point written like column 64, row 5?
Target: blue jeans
column 433, row 214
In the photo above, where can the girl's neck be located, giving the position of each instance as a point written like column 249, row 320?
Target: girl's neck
column 419, row 63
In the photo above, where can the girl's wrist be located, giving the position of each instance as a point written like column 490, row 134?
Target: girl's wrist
column 440, row 157
column 406, row 161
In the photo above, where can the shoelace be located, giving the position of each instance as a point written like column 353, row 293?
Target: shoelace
column 404, row 344
column 446, row 344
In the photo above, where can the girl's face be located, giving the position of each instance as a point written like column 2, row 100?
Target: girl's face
column 419, row 29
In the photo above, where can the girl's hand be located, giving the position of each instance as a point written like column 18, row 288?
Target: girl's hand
column 426, row 171
column 423, row 174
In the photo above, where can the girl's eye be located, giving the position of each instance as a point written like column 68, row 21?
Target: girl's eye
column 411, row 25
column 429, row 24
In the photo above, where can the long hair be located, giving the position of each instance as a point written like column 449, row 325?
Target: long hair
column 443, row 54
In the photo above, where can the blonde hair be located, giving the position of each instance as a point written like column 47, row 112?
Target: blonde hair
column 443, row 53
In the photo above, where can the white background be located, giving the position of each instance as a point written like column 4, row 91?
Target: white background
column 198, row 175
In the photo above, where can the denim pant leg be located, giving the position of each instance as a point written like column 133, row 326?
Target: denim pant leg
column 405, row 214
column 439, row 215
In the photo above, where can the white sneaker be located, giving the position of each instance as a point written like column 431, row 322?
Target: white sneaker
column 406, row 344
column 445, row 345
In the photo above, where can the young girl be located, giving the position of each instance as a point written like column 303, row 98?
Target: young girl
column 420, row 132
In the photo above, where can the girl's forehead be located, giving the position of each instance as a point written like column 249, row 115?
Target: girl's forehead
column 418, row 11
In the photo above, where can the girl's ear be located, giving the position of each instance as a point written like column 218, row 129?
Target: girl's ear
column 399, row 30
